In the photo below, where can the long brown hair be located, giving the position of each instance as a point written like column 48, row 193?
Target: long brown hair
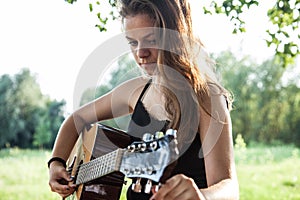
column 178, row 56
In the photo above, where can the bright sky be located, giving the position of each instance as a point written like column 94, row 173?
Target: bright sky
column 53, row 39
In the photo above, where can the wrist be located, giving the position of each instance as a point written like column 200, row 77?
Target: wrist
column 57, row 160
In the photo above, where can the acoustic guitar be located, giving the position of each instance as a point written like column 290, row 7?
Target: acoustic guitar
column 104, row 155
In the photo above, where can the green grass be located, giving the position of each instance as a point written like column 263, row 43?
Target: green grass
column 268, row 172
column 24, row 175
column 264, row 173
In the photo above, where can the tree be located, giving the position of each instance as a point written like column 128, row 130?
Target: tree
column 26, row 99
column 7, row 111
column 284, row 15
column 27, row 117
column 48, row 125
column 267, row 99
column 237, row 75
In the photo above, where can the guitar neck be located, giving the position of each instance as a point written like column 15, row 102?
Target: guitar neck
column 100, row 166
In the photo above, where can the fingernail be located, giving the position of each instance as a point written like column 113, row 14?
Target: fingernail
column 152, row 198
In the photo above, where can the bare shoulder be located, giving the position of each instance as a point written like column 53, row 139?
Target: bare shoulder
column 130, row 90
column 133, row 84
column 215, row 100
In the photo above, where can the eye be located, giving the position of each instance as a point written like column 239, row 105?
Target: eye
column 133, row 43
column 151, row 42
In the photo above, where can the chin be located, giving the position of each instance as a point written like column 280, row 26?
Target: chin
column 149, row 69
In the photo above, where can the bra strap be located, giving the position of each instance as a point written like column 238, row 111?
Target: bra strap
column 145, row 89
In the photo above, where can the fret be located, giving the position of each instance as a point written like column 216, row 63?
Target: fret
column 100, row 166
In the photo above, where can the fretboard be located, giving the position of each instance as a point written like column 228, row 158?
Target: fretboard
column 100, row 166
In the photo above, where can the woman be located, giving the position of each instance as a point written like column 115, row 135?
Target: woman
column 178, row 92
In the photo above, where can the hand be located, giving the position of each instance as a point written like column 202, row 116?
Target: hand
column 178, row 187
column 59, row 180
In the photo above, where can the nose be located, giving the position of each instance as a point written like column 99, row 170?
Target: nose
column 142, row 52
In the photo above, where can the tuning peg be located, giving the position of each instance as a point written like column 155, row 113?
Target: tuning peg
column 156, row 187
column 142, row 147
column 136, row 187
column 171, row 132
column 131, row 148
column 147, row 137
column 153, row 145
column 158, row 135
column 127, row 171
column 149, row 170
column 137, row 171
column 148, row 186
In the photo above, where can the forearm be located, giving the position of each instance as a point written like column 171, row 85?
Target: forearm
column 227, row 189
column 66, row 139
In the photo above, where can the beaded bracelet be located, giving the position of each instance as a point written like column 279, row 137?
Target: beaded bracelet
column 58, row 159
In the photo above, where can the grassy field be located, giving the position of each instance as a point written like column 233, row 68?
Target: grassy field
column 265, row 173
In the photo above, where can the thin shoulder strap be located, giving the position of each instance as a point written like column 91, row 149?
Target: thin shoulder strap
column 145, row 89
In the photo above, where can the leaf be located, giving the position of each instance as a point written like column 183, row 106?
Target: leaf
column 71, row 1
column 206, row 11
column 91, row 7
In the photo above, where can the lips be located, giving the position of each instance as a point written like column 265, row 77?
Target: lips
column 148, row 65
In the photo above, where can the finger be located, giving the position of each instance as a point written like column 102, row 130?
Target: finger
column 64, row 189
column 166, row 188
column 66, row 193
column 65, row 175
column 179, row 192
column 186, row 189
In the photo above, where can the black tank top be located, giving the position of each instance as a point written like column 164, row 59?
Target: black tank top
column 190, row 163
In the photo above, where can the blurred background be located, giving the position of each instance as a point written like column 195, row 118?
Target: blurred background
column 43, row 45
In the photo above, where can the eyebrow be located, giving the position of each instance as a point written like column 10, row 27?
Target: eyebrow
column 146, row 36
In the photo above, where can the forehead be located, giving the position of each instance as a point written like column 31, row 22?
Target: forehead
column 138, row 25
column 138, row 21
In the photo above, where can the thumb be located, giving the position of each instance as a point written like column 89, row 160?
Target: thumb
column 65, row 175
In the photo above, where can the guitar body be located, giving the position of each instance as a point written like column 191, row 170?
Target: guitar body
column 94, row 142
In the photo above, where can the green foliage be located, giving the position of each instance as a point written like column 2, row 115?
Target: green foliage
column 285, row 17
column 71, row 1
column 26, row 116
column 233, row 9
column 239, row 142
column 266, row 107
column 105, row 12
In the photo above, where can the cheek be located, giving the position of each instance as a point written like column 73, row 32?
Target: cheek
column 135, row 56
column 154, row 53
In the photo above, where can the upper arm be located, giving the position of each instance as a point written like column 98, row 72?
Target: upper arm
column 120, row 101
column 216, row 137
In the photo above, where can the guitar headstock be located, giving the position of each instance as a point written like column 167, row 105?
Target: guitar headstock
column 149, row 158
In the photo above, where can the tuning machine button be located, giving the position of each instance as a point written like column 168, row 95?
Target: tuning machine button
column 148, row 187
column 149, row 170
column 147, row 137
column 153, row 145
column 158, row 135
column 156, row 187
column 136, row 187
column 171, row 132
column 142, row 147
column 137, row 171
column 131, row 148
column 127, row 171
